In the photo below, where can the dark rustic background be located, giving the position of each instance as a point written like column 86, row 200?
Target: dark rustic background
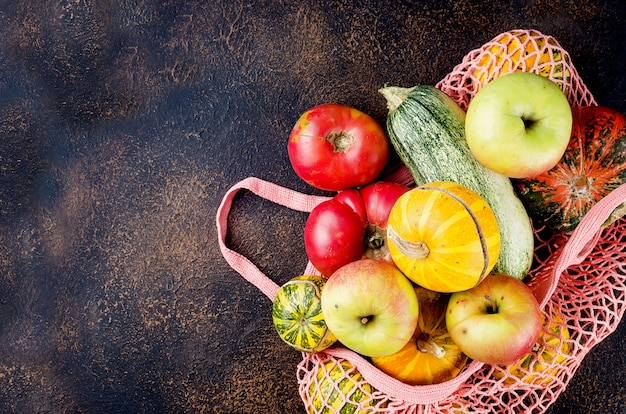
column 122, row 124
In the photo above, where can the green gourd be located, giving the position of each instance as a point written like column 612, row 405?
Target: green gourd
column 297, row 314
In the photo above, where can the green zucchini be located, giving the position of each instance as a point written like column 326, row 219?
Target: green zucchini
column 427, row 130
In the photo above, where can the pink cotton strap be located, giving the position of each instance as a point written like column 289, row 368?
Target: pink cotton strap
column 583, row 238
column 269, row 191
column 420, row 394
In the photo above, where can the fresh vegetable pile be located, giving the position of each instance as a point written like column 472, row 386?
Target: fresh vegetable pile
column 477, row 275
column 421, row 280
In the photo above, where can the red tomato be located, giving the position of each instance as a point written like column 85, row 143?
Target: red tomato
column 350, row 226
column 335, row 147
column 378, row 199
column 352, row 198
column 333, row 235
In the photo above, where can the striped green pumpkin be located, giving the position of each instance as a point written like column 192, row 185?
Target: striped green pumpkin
column 297, row 314
column 339, row 388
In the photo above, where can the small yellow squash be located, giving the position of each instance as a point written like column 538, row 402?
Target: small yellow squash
column 443, row 236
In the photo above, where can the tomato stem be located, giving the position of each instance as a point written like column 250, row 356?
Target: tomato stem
column 340, row 140
column 375, row 241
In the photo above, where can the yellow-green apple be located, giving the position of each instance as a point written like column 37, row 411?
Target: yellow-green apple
column 371, row 307
column 519, row 124
column 496, row 322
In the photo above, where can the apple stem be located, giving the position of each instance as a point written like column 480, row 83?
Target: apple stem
column 417, row 250
column 528, row 122
column 425, row 343
column 492, row 306
column 365, row 320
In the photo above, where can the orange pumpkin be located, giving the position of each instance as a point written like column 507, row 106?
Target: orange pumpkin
column 443, row 236
column 430, row 357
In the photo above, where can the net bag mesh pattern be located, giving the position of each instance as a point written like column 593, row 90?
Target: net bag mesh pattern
column 516, row 50
column 586, row 305
column 579, row 279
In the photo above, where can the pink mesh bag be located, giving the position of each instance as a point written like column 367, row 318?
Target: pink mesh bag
column 516, row 50
column 579, row 279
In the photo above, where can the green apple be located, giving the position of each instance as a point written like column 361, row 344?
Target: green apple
column 519, row 125
column 496, row 322
column 371, row 307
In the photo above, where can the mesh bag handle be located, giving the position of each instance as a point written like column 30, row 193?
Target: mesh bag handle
column 269, row 191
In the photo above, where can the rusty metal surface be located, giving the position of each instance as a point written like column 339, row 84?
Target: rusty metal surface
column 122, row 124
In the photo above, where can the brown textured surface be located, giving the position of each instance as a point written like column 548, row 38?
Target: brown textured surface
column 122, row 124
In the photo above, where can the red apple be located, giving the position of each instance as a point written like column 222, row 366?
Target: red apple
column 496, row 322
column 371, row 307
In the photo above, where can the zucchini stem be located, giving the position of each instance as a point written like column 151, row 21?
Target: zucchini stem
column 394, row 95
